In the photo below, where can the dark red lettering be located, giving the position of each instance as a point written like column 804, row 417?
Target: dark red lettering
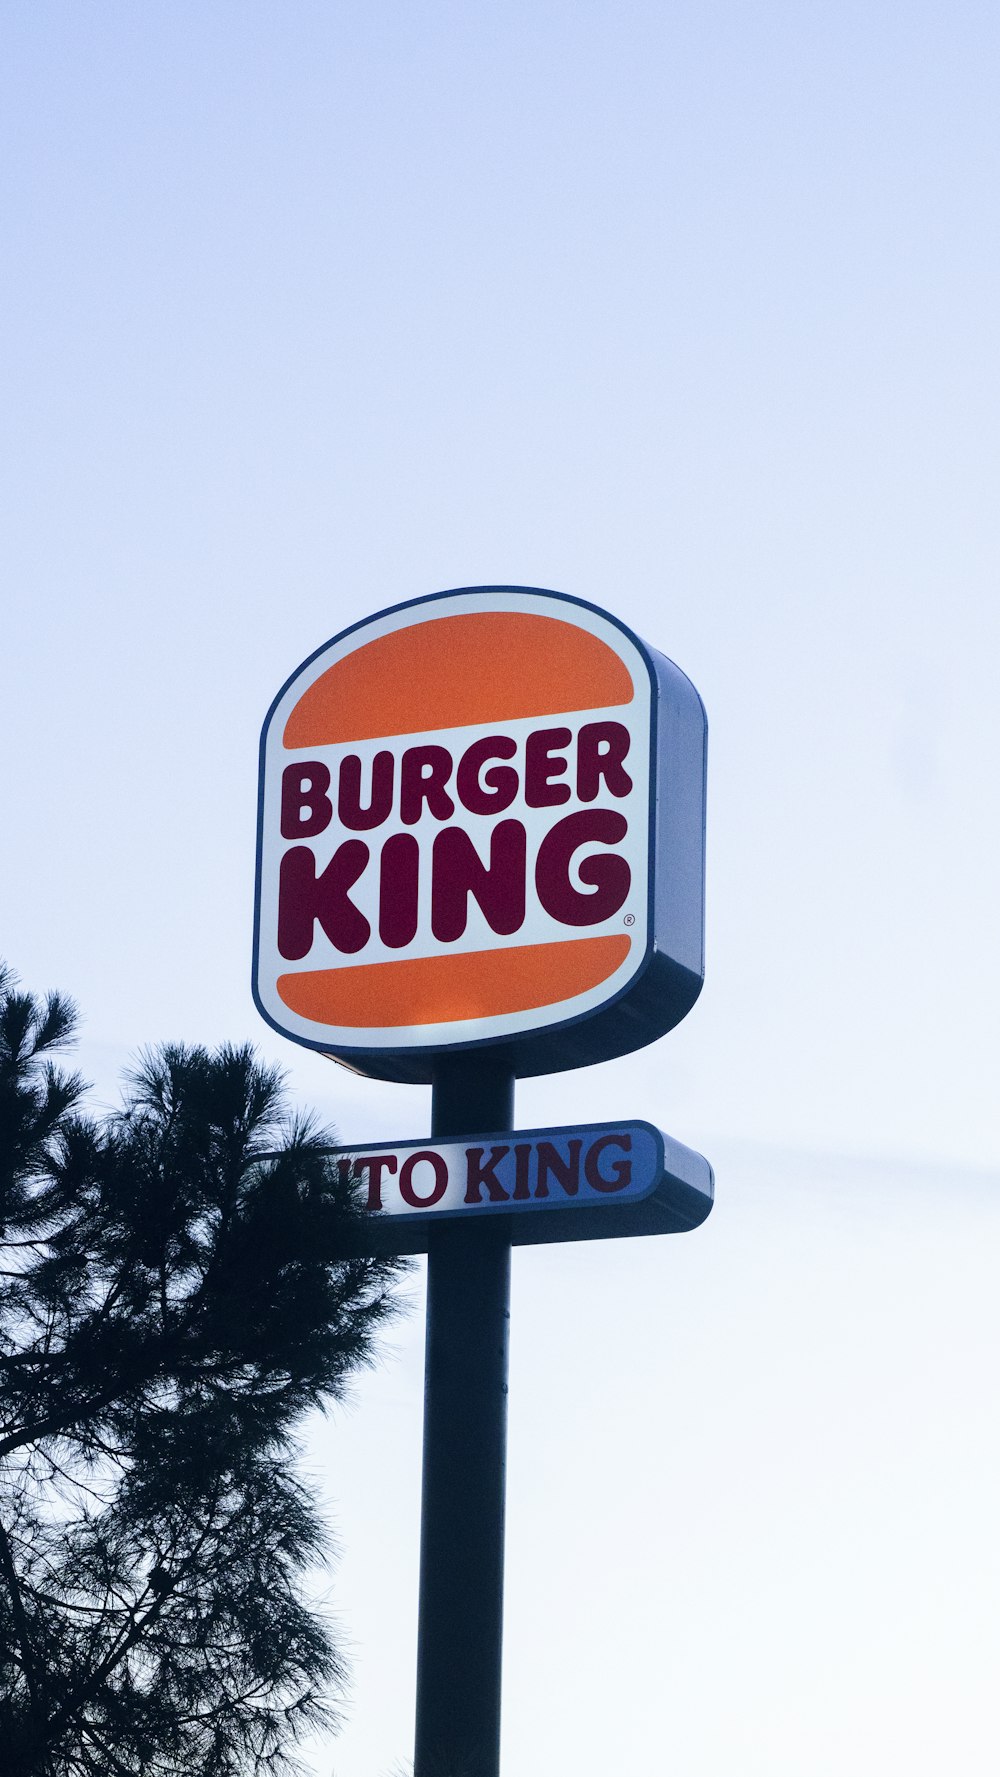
column 306, row 808
column 304, row 897
column 541, row 765
column 608, row 872
column 492, row 791
column 621, row 1170
column 349, row 808
column 423, row 773
column 399, row 883
column 375, row 1165
column 439, row 1187
column 458, row 872
column 522, row 1162
column 565, row 1169
column 600, row 749
column 477, row 1175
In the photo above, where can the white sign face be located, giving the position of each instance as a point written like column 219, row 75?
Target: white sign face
column 455, row 827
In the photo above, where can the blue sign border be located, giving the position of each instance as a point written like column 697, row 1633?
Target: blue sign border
column 659, row 993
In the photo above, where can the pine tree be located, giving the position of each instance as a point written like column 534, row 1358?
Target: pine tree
column 181, row 1281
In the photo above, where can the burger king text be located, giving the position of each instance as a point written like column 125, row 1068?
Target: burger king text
column 403, row 787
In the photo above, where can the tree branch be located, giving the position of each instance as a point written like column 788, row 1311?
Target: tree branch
column 22, row 1630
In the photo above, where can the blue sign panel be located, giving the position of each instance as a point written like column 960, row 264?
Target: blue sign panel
column 582, row 1182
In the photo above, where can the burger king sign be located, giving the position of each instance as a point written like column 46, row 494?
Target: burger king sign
column 481, row 822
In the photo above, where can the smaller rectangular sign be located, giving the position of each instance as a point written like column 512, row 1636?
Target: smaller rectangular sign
column 589, row 1181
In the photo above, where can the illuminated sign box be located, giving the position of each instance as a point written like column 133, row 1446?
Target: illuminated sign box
column 481, row 823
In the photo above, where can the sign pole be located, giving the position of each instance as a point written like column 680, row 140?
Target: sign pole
column 480, row 855
column 460, row 1627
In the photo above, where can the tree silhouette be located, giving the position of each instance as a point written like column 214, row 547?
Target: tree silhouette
column 180, row 1282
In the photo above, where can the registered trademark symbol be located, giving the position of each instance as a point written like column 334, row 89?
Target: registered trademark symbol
column 630, row 919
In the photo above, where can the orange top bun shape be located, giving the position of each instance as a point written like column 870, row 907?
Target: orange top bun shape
column 481, row 666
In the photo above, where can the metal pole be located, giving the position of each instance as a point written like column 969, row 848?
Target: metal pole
column 460, row 1627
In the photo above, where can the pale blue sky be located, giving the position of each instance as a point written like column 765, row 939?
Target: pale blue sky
column 691, row 311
